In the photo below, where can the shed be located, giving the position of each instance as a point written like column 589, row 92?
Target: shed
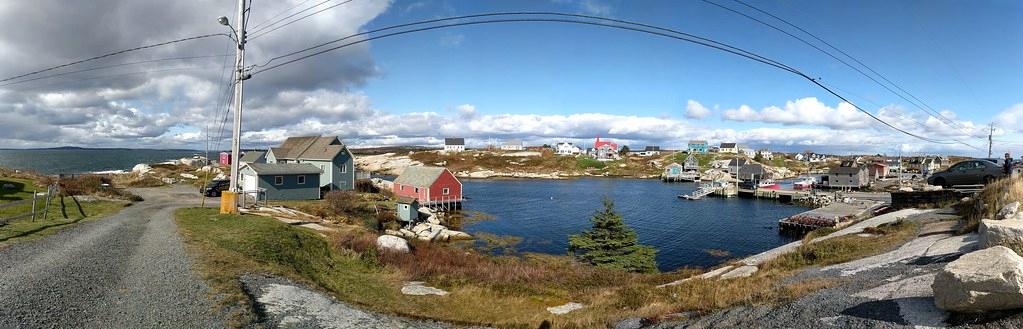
column 429, row 185
column 692, row 163
column 225, row 158
column 252, row 157
column 848, row 175
column 752, row 172
column 282, row 181
column 408, row 209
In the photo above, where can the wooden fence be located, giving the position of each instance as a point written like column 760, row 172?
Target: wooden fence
column 37, row 211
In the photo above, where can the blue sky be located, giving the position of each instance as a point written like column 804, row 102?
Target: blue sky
column 538, row 82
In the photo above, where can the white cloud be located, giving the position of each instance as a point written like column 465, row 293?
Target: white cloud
column 695, row 110
column 804, row 111
column 1011, row 118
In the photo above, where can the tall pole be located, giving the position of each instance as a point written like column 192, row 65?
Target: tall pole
column 240, row 77
column 990, row 139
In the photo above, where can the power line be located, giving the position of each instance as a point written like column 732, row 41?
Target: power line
column 257, row 35
column 280, row 13
column 927, row 109
column 112, row 54
column 712, row 44
column 110, row 66
column 287, row 17
column 100, row 77
column 937, row 114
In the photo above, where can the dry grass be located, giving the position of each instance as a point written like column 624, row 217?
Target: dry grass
column 989, row 201
column 544, row 164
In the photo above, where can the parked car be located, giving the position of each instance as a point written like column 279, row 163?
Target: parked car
column 215, row 187
column 970, row 172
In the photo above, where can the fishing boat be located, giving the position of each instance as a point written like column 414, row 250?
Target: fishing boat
column 767, row 184
column 804, row 183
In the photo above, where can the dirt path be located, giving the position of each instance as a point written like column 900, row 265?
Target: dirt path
column 126, row 271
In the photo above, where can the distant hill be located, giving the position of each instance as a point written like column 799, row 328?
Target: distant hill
column 61, row 148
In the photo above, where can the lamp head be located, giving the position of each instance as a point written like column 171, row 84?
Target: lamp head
column 223, row 21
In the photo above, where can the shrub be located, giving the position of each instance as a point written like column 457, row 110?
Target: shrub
column 612, row 244
column 366, row 186
column 146, row 181
column 342, row 202
column 587, row 163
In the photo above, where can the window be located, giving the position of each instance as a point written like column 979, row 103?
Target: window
column 344, row 169
column 301, row 179
column 445, row 191
column 278, row 180
column 401, row 187
column 417, row 190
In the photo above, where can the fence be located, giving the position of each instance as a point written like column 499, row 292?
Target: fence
column 37, row 211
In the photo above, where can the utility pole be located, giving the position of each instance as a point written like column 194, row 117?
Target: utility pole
column 990, row 139
column 229, row 202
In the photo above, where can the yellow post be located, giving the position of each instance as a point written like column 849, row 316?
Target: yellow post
column 229, row 202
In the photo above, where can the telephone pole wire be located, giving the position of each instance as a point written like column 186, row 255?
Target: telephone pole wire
column 240, row 77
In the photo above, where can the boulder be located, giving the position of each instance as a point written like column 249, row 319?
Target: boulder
column 168, row 180
column 433, row 220
column 406, row 233
column 141, row 169
column 189, row 176
column 564, row 309
column 416, row 288
column 632, row 323
column 392, row 243
column 458, row 235
column 740, row 272
column 420, row 228
column 1008, row 211
column 985, row 280
column 1000, row 232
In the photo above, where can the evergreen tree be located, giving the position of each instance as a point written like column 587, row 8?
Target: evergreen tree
column 624, row 150
column 612, row 244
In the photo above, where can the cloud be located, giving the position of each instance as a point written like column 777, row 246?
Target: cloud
column 589, row 7
column 695, row 110
column 466, row 111
column 804, row 111
column 1011, row 118
column 452, row 39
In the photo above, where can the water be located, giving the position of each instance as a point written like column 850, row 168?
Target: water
column 76, row 161
column 545, row 212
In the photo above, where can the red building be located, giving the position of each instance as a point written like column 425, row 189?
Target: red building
column 599, row 143
column 225, row 158
column 878, row 170
column 429, row 185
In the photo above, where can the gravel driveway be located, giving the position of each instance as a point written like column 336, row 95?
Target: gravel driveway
column 126, row 271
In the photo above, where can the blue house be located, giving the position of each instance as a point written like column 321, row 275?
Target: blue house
column 328, row 153
column 698, row 146
column 281, row 181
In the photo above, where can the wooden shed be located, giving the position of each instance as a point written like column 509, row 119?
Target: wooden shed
column 432, row 186
column 408, row 209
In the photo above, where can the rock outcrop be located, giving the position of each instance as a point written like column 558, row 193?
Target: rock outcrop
column 985, row 280
column 141, row 169
column 1000, row 233
column 417, row 288
column 1008, row 211
column 565, row 309
column 392, row 243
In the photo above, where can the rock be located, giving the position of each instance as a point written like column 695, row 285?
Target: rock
column 985, row 280
column 416, row 288
column 189, row 176
column 739, row 272
column 426, row 211
column 631, row 323
column 407, row 234
column 458, row 235
column 1000, row 233
column 420, row 228
column 141, row 169
column 1008, row 211
column 564, row 309
column 168, row 180
column 392, row 232
column 9, row 186
column 433, row 220
column 392, row 243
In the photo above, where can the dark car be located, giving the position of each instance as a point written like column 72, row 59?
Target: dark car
column 970, row 172
column 216, row 187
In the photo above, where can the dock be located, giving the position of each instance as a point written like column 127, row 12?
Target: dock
column 780, row 195
column 837, row 214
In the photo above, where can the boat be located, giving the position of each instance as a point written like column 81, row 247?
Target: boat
column 804, row 183
column 767, row 184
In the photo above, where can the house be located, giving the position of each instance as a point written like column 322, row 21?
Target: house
column 691, row 163
column 513, row 145
column 729, row 148
column 605, row 150
column 252, row 157
column 718, row 164
column 713, row 149
column 799, row 157
column 877, row 170
column 698, row 146
column 765, row 154
column 648, row 151
column 752, row 172
column 408, row 209
column 281, row 181
column 225, row 158
column 454, row 144
column 672, row 172
column 894, row 166
column 564, row 148
column 847, row 175
column 746, row 150
column 336, row 162
column 930, row 165
column 734, row 165
column 429, row 185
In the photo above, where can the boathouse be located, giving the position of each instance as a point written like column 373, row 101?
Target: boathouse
column 281, row 181
column 847, row 175
column 672, row 173
column 431, row 186
column 408, row 209
column 752, row 172
column 692, row 163
column 734, row 165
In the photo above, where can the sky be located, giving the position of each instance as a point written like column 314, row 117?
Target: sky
column 953, row 68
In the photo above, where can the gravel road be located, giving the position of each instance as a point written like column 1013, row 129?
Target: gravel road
column 126, row 271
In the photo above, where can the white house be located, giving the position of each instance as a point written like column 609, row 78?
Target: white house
column 799, row 157
column 766, row 155
column 728, row 148
column 746, row 150
column 564, row 148
column 454, row 144
column 513, row 145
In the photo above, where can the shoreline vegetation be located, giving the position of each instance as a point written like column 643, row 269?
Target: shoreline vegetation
column 505, row 289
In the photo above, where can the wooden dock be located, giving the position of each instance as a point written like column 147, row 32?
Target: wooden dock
column 837, row 214
column 780, row 195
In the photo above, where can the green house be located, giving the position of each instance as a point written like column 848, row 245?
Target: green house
column 408, row 209
column 281, row 181
column 328, row 153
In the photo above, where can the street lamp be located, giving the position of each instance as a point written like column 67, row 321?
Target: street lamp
column 229, row 200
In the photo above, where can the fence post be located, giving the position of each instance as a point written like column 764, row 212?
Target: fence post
column 49, row 196
column 33, row 205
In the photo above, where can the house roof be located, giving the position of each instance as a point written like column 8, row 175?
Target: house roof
column 697, row 141
column 283, row 168
column 407, row 200
column 652, row 148
column 513, row 143
column 737, row 162
column 454, row 141
column 752, row 168
column 309, row 147
column 252, row 156
column 419, row 176
column 728, row 145
column 845, row 170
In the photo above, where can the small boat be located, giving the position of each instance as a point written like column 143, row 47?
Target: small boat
column 805, row 183
column 767, row 184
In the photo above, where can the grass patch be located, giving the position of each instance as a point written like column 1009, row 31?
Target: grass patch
column 27, row 229
column 845, row 248
column 989, row 201
column 587, row 163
